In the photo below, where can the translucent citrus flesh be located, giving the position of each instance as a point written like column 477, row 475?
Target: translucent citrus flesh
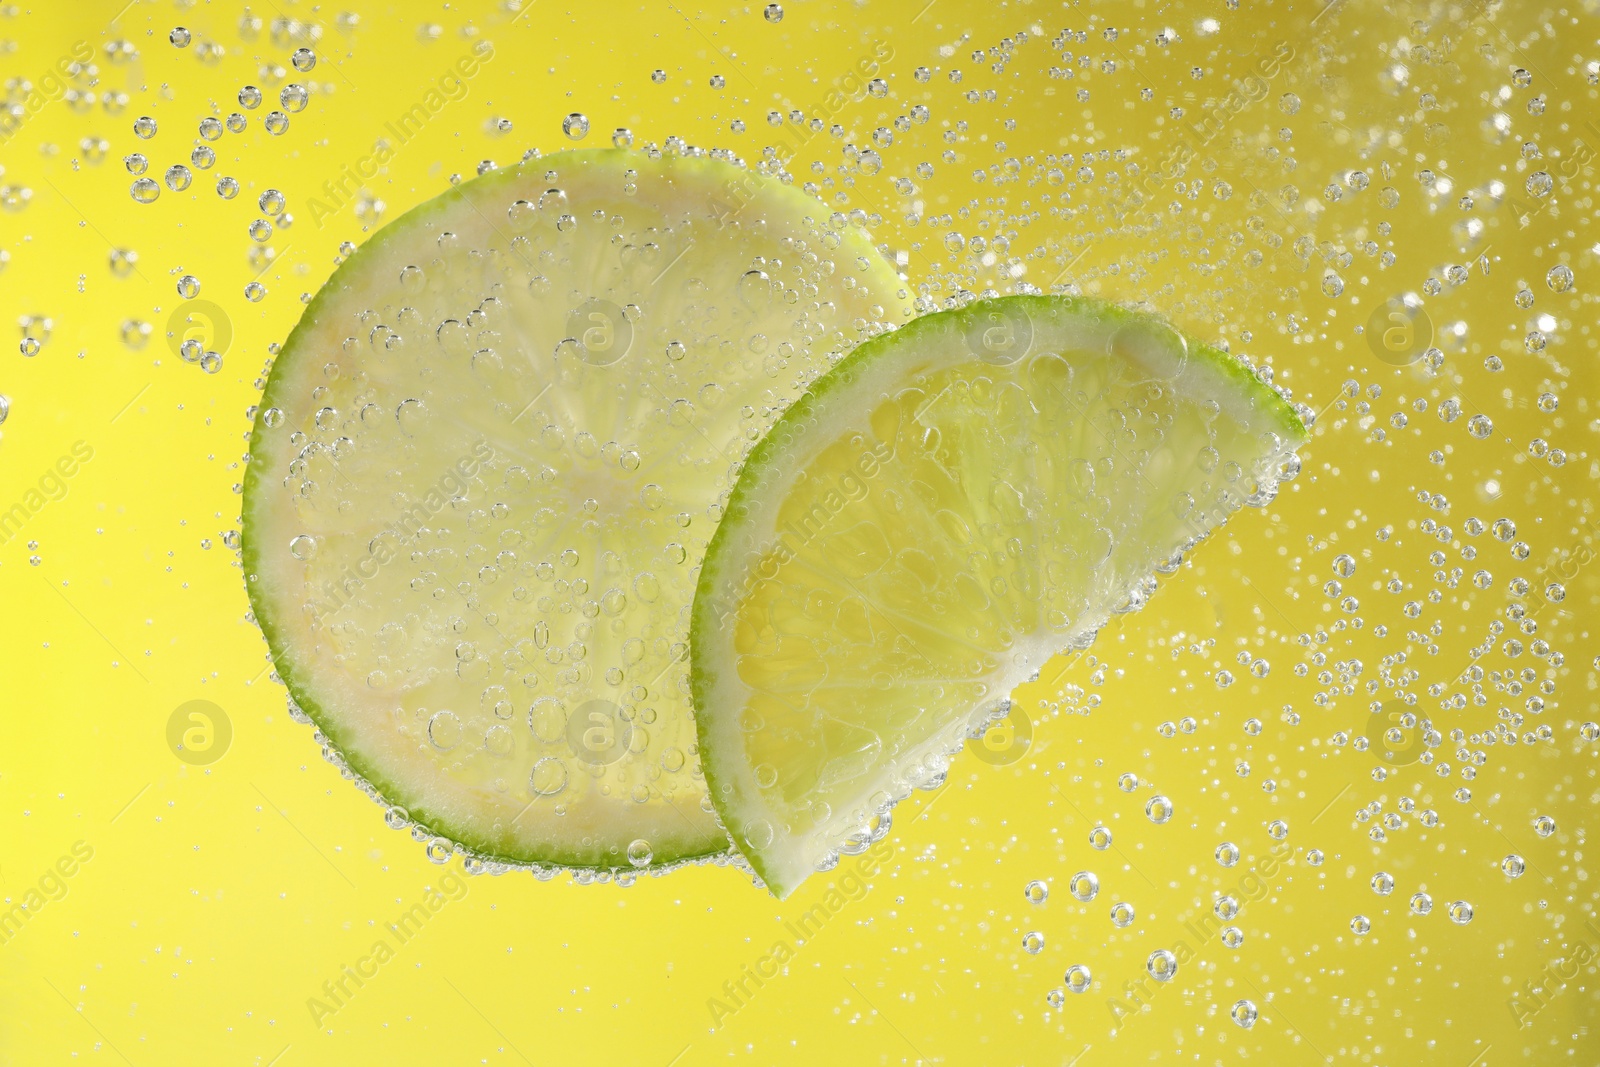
column 943, row 512
column 487, row 464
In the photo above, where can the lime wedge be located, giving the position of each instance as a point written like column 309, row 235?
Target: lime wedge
column 948, row 508
column 486, row 466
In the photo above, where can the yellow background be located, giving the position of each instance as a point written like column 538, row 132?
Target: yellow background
column 219, row 898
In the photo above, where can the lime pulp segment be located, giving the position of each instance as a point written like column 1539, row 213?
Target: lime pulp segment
column 948, row 508
column 486, row 466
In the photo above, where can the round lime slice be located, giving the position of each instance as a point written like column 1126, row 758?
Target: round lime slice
column 485, row 469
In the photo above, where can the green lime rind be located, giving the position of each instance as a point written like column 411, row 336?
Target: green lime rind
column 1233, row 377
column 667, row 852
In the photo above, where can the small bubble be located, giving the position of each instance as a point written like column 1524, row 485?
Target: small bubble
column 773, row 12
column 1084, row 886
column 276, row 122
column 1100, row 838
column 1513, row 866
column 1162, row 965
column 30, row 346
column 178, row 177
column 1544, row 826
column 1227, row 854
column 271, row 201
column 575, row 126
column 145, row 127
column 622, row 137
column 640, row 854
column 254, row 291
column 1360, row 925
column 303, row 60
column 1033, row 942
column 250, row 97
column 227, row 188
column 1244, row 1013
column 1559, row 278
column 658, row 76
column 1078, row 978
column 303, row 547
column 145, row 190
column 1122, row 914
column 179, row 37
column 1383, row 883
column 1460, row 912
column 1158, row 809
column 188, row 287
column 1036, row 892
column 293, row 97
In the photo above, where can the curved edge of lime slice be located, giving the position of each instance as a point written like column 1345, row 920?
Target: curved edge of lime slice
column 441, row 832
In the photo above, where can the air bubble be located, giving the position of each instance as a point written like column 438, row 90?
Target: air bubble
column 1162, row 965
